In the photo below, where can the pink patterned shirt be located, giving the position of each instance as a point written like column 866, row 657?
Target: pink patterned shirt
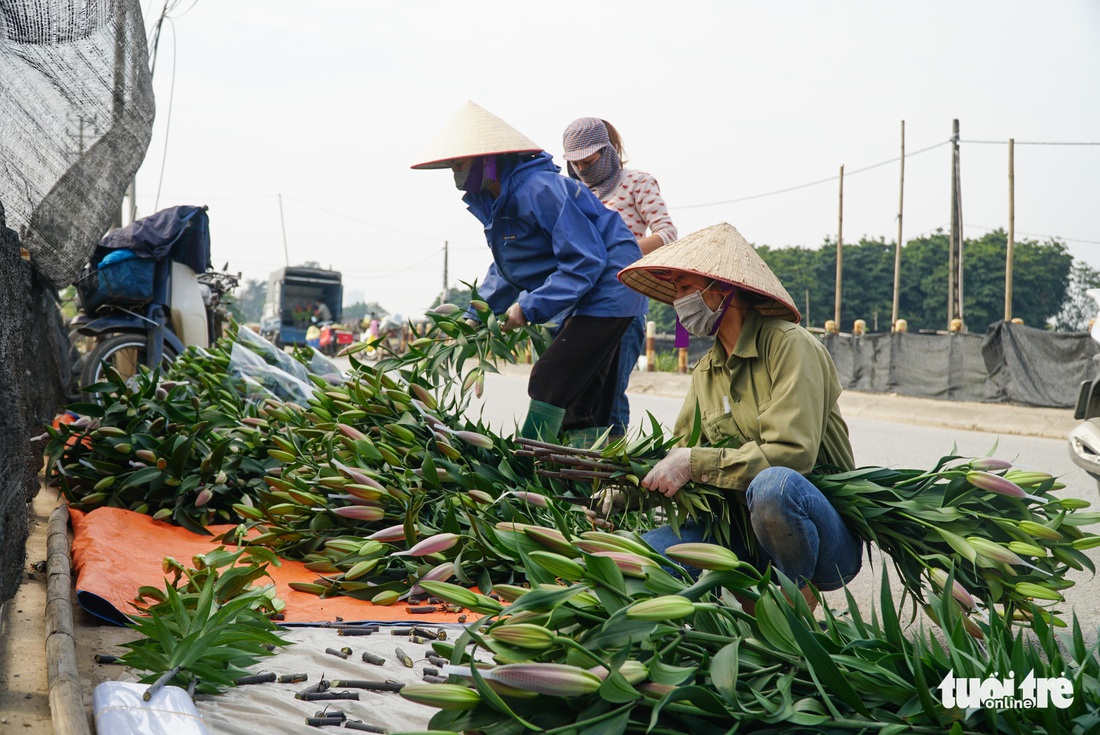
column 637, row 198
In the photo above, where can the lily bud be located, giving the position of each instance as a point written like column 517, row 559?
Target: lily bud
column 989, row 464
column 386, row 597
column 523, row 635
column 633, row 671
column 623, row 542
column 1028, row 478
column 351, row 432
column 994, row 484
column 939, row 578
column 539, row 501
column 360, row 512
column 1019, row 547
column 509, row 592
column 994, row 551
column 1037, row 591
column 203, row 497
column 555, row 680
column 433, row 544
column 653, row 690
column 445, row 309
column 389, row 535
column 475, row 439
column 704, row 556
column 551, row 538
column 668, row 607
column 558, row 565
column 631, row 565
column 443, row 696
column 480, row 496
column 1038, row 529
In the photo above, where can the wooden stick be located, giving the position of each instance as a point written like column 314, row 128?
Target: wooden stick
column 66, row 691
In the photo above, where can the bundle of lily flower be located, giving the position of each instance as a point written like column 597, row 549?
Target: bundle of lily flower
column 1001, row 531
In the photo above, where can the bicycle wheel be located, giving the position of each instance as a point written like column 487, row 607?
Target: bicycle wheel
column 124, row 352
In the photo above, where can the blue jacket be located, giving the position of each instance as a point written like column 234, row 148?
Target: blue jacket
column 556, row 247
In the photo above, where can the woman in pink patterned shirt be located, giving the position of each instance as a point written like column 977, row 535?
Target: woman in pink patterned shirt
column 594, row 154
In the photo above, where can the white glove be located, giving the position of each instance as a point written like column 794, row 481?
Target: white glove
column 671, row 473
column 609, row 500
column 514, row 318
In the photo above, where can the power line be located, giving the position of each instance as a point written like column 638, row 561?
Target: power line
column 364, row 222
column 812, row 183
column 1037, row 234
column 1023, row 142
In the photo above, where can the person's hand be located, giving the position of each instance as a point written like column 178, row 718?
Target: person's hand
column 514, row 318
column 670, row 474
column 608, row 500
column 473, row 323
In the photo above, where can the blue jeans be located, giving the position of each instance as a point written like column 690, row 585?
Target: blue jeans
column 630, row 349
column 797, row 530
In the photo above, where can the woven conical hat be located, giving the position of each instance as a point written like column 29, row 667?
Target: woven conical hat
column 474, row 131
column 718, row 252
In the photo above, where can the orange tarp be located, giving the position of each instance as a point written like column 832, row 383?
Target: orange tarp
column 115, row 551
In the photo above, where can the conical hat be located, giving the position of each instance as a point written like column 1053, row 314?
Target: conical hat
column 474, row 131
column 718, row 252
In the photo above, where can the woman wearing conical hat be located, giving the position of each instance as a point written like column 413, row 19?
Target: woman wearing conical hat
column 767, row 392
column 556, row 252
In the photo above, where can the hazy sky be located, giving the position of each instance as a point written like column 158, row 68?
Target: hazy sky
column 328, row 104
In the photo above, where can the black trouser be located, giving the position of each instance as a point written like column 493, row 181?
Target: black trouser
column 578, row 370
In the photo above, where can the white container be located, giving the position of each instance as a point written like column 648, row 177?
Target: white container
column 188, row 309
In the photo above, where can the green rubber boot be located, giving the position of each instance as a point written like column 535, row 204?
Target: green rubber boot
column 543, row 422
column 583, row 438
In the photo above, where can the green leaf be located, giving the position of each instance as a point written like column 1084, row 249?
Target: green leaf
column 724, row 669
column 824, row 671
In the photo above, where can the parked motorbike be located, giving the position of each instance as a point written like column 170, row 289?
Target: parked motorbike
column 149, row 292
column 1084, row 439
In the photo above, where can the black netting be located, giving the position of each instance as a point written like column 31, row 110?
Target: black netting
column 1011, row 363
column 35, row 370
column 76, row 115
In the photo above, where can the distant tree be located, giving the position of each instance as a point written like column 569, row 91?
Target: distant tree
column 247, row 303
column 359, row 310
column 460, row 297
column 1078, row 308
column 799, row 270
column 663, row 316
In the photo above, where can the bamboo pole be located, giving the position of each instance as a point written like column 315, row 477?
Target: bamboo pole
column 650, row 347
column 951, row 272
column 66, row 693
column 839, row 249
column 897, row 252
column 1011, row 227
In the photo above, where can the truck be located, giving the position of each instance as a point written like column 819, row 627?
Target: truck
column 289, row 308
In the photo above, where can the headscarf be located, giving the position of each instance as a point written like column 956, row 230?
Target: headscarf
column 581, row 139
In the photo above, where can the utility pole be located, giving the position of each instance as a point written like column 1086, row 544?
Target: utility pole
column 897, row 252
column 952, row 265
column 446, row 249
column 282, row 223
column 839, row 249
column 1011, row 228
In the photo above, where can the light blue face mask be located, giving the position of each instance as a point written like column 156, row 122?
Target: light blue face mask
column 698, row 318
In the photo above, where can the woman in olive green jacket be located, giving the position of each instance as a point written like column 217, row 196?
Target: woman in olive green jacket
column 768, row 392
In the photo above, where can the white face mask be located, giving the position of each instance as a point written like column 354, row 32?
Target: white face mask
column 698, row 318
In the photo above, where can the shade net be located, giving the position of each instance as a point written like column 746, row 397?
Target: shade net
column 76, row 116
column 1010, row 363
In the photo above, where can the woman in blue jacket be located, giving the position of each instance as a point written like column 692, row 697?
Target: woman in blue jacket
column 556, row 252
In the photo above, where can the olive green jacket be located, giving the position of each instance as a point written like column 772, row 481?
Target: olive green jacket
column 775, row 398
